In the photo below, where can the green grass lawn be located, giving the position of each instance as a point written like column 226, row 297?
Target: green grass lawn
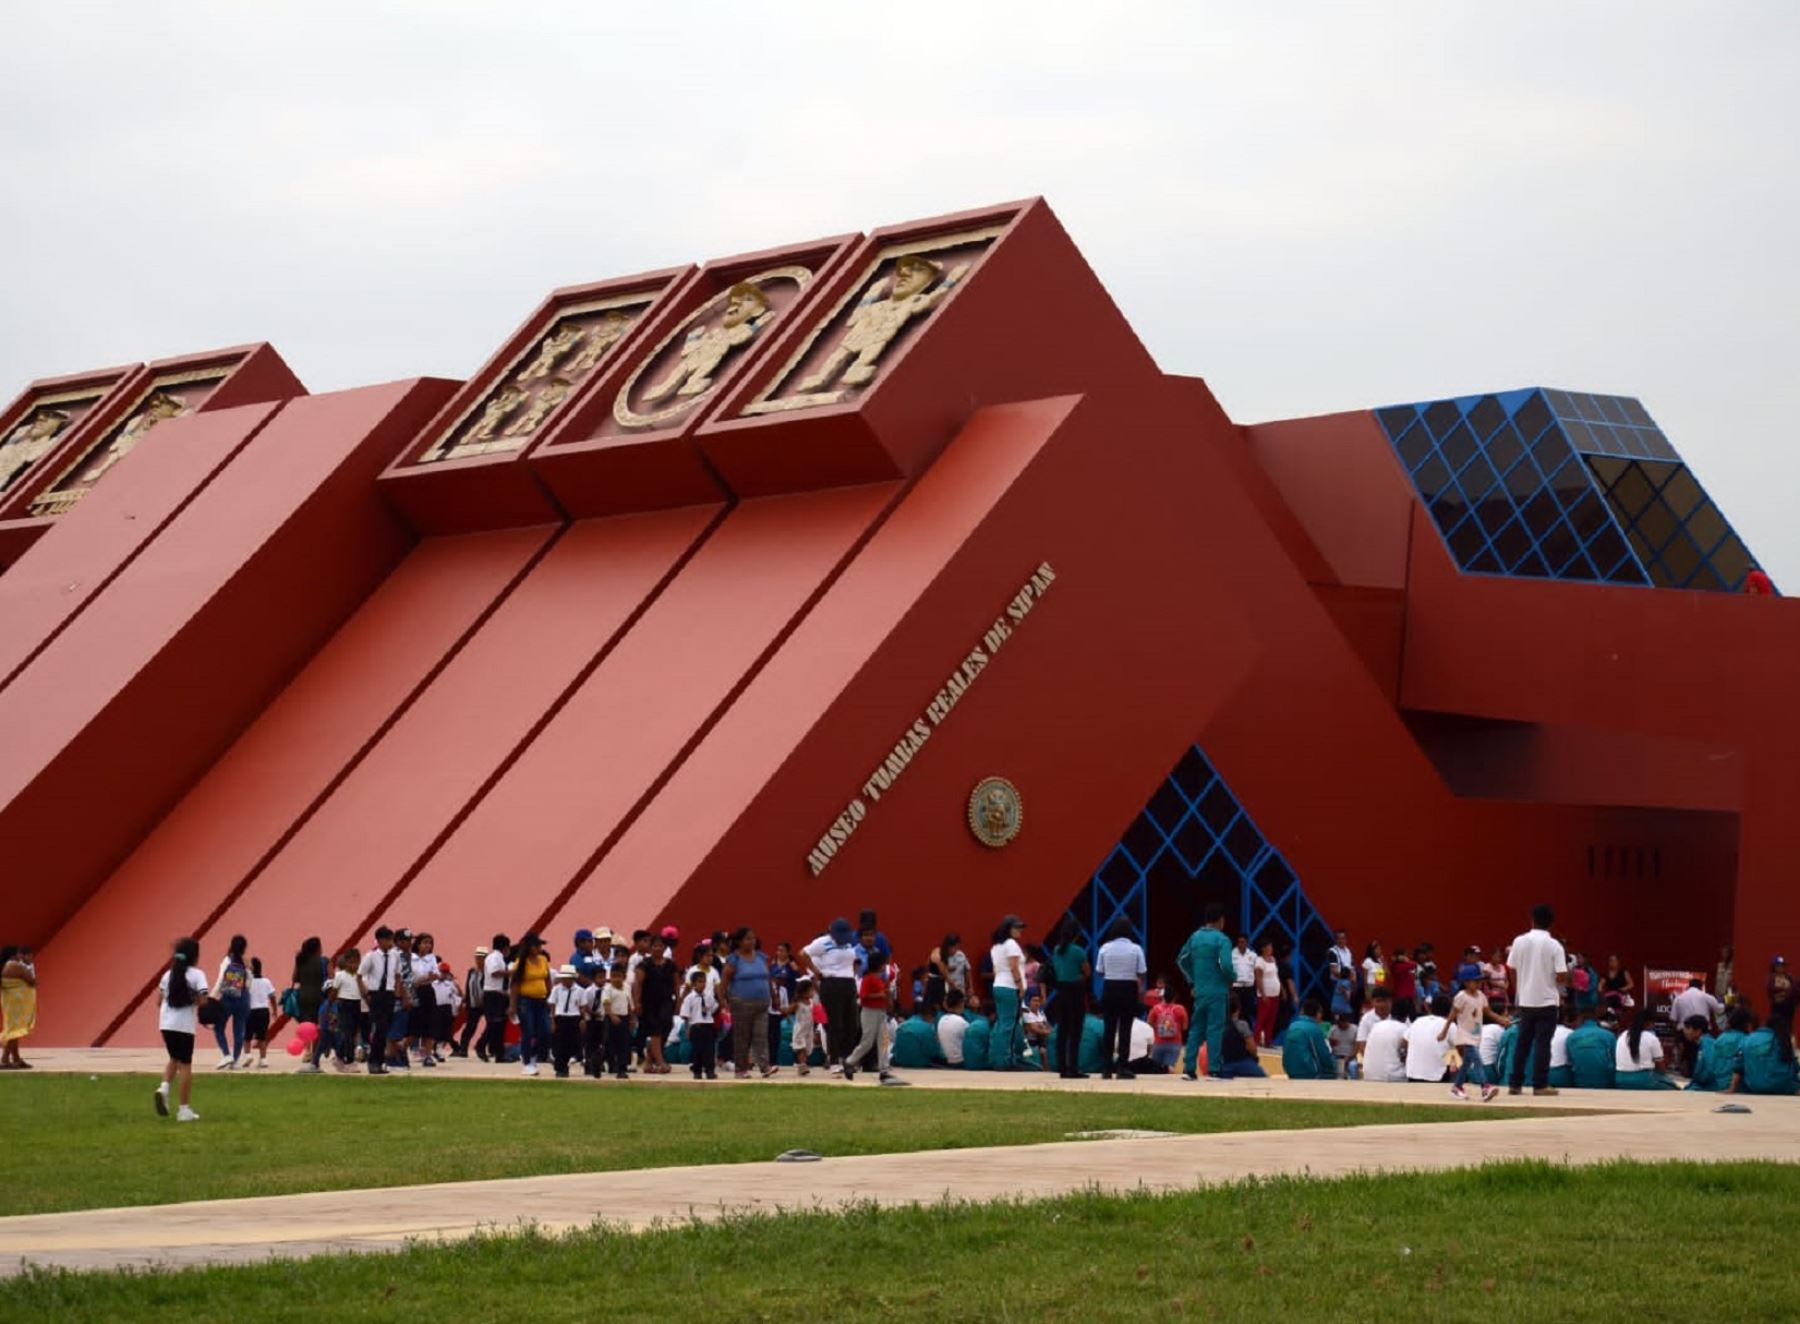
column 1505, row 1242
column 75, row 1142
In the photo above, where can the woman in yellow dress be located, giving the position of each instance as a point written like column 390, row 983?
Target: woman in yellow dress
column 18, row 1004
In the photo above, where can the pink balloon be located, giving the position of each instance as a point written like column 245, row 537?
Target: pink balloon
column 307, row 1031
column 295, row 1048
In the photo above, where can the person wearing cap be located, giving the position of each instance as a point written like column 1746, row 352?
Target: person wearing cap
column 1205, row 962
column 832, row 959
column 531, row 1002
column 476, row 1006
column 1469, row 1012
column 584, row 958
column 1006, row 1047
column 569, row 1003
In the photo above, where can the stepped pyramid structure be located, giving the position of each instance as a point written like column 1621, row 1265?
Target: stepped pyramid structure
column 880, row 570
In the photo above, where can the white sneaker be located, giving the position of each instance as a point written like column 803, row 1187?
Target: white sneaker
column 187, row 1114
column 224, row 1062
column 529, row 1069
column 162, row 1099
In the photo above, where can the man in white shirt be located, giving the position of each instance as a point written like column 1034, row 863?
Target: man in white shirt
column 494, row 968
column 1540, row 968
column 1243, row 975
column 952, row 1026
column 1694, row 1000
column 1425, row 1048
column 1340, row 957
column 1384, row 1051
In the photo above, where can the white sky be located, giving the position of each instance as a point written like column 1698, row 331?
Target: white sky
column 1314, row 206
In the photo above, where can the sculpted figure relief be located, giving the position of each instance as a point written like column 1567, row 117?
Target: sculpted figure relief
column 555, row 345
column 28, row 443
column 746, row 311
column 883, row 312
column 158, row 407
column 553, row 394
column 601, row 336
column 503, row 402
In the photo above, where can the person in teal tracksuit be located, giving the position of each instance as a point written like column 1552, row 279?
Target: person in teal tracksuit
column 916, row 1044
column 1722, row 1056
column 1592, row 1048
column 1767, row 1064
column 1205, row 961
column 975, row 1043
column 1306, row 1052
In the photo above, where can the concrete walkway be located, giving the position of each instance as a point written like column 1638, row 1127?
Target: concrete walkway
column 1662, row 1125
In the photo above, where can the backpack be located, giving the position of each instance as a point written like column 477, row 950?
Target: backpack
column 235, row 982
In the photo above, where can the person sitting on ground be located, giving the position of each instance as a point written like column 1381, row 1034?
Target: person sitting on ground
column 916, row 1042
column 1239, row 1053
column 1143, row 1051
column 1036, row 1027
column 1722, row 1056
column 1381, row 1044
column 1766, row 1062
column 1427, row 1044
column 1306, row 1052
column 1343, row 1046
column 1381, row 1006
column 1561, row 1075
column 1694, row 1000
column 1592, row 1050
column 952, row 1026
column 977, row 1041
column 1638, row 1056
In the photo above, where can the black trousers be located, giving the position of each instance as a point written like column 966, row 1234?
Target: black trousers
column 618, row 1047
column 1071, row 1019
column 704, row 1040
column 493, row 1011
column 1536, row 1027
column 472, row 1024
column 843, row 1026
column 349, row 1028
column 1118, row 1009
column 565, row 1042
column 381, row 1015
column 593, row 1045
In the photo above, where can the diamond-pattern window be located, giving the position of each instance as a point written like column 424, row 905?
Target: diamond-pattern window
column 1174, row 843
column 1628, row 511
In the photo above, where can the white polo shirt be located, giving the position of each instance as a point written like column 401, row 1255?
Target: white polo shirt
column 1243, row 966
column 1382, row 1052
column 1424, row 1053
column 833, row 960
column 493, row 973
column 1537, row 959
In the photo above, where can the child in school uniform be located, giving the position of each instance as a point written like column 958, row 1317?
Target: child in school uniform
column 591, row 980
column 262, row 1002
column 700, row 1009
column 568, row 1009
column 347, row 1001
column 449, row 999
column 613, row 1012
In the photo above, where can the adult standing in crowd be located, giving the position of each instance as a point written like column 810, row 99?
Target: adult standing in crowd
column 18, row 1004
column 232, row 991
column 832, row 959
column 1269, row 987
column 1122, row 974
column 1341, row 959
column 747, row 988
column 380, row 975
column 1782, row 995
column 657, row 982
column 1205, row 962
column 1616, row 986
column 179, row 994
column 1005, row 1048
column 1243, row 974
column 475, row 1002
column 951, row 964
column 496, row 980
column 1071, row 971
column 312, row 971
column 1541, row 968
column 1724, row 978
column 531, row 1002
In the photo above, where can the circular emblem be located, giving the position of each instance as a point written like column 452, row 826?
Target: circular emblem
column 995, row 811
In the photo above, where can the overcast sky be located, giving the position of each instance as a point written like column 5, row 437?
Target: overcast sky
column 1313, row 206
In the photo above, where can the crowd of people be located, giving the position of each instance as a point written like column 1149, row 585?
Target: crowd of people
column 643, row 1003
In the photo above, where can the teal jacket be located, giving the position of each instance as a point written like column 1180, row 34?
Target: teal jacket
column 1205, row 962
column 1592, row 1056
column 1764, row 1071
column 975, row 1043
column 1306, row 1052
column 916, row 1043
column 1721, row 1058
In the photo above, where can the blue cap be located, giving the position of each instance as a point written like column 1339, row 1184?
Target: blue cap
column 1464, row 973
column 840, row 929
column 584, row 935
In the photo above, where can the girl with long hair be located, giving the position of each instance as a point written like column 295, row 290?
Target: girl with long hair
column 232, row 989
column 180, row 993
